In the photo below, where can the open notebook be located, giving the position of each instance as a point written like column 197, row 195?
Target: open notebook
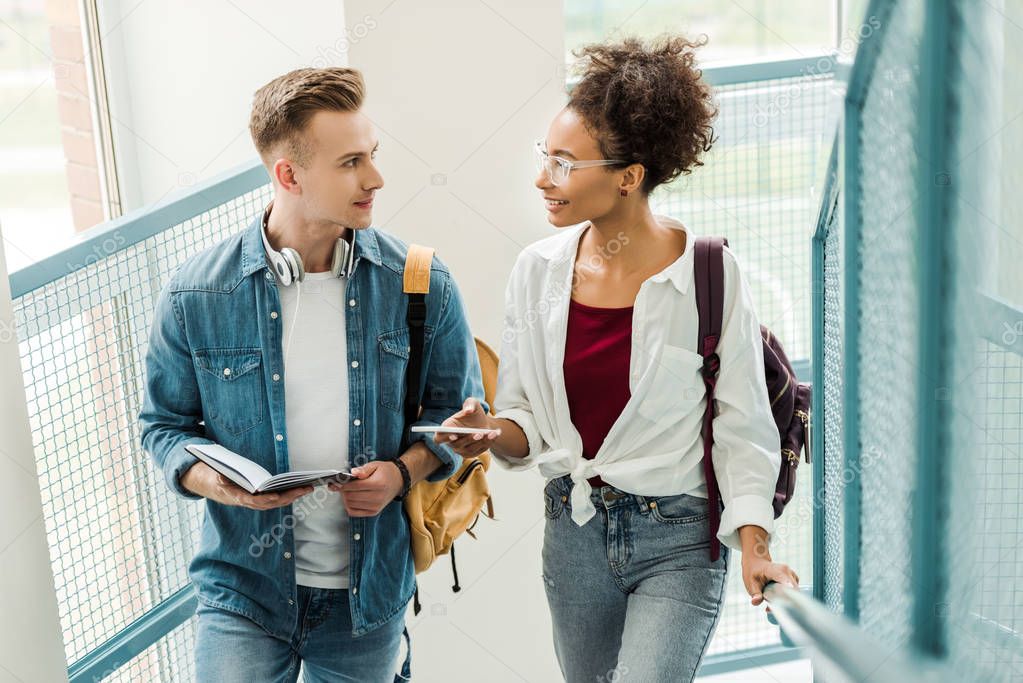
column 253, row 478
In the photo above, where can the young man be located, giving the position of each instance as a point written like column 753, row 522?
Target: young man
column 296, row 360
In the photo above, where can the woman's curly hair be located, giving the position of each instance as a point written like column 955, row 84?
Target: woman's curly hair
column 646, row 104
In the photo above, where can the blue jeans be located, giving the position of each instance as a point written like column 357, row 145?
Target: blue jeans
column 230, row 648
column 633, row 593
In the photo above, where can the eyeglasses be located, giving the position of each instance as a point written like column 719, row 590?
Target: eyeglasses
column 558, row 168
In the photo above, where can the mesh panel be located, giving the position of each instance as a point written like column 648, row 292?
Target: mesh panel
column 835, row 478
column 984, row 628
column 981, row 397
column 889, row 341
column 168, row 660
column 755, row 190
column 119, row 540
column 983, row 625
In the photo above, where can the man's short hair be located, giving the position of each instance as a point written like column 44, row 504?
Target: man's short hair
column 281, row 109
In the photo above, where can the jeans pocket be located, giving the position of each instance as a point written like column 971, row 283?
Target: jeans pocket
column 680, row 509
column 555, row 497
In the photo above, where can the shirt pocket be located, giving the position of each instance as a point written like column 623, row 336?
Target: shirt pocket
column 232, row 387
column 392, row 364
column 676, row 387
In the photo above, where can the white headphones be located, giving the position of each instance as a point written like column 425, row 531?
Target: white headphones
column 287, row 262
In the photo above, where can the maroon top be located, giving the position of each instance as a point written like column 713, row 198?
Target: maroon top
column 598, row 348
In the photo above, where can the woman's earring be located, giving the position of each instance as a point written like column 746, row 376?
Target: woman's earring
column 624, row 193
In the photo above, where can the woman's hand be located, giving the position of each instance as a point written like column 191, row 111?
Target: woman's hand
column 758, row 569
column 469, row 445
column 757, row 572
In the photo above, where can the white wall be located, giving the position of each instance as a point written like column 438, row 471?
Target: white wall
column 459, row 89
column 459, row 92
column 31, row 648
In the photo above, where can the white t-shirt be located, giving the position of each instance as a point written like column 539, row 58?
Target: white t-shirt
column 316, row 416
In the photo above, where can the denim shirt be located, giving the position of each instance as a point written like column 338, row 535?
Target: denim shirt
column 214, row 373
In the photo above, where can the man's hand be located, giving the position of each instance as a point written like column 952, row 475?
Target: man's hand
column 376, row 484
column 203, row 480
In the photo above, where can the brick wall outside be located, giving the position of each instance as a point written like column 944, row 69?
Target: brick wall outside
column 74, row 109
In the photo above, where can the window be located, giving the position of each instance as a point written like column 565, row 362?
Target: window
column 740, row 30
column 49, row 175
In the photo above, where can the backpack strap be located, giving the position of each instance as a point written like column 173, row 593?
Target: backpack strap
column 709, row 274
column 416, row 284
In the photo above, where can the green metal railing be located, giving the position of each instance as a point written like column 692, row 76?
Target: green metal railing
column 120, row 541
column 918, row 366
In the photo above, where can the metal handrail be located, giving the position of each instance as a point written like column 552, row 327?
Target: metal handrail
column 841, row 650
column 135, row 638
column 138, row 226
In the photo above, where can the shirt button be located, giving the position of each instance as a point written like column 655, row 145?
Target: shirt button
column 355, row 591
column 357, row 536
column 227, row 372
column 268, row 275
column 356, row 422
column 287, row 555
column 290, row 601
column 355, row 363
column 273, row 314
column 279, row 437
column 351, row 303
column 277, row 378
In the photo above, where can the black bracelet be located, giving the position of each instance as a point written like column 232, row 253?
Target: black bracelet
column 406, row 478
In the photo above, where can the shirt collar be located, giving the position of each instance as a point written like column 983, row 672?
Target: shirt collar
column 679, row 272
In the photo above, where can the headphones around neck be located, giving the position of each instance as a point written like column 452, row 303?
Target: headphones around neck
column 287, row 262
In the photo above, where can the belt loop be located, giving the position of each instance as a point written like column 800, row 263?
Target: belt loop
column 641, row 503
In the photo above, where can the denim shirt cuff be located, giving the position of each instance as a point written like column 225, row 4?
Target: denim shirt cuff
column 177, row 463
column 450, row 461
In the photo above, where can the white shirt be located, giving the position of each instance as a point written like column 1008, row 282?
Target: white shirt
column 655, row 447
column 316, row 416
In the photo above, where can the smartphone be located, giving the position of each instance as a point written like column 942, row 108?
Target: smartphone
column 450, row 430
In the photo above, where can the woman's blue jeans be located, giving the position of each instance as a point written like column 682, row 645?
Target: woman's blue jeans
column 633, row 593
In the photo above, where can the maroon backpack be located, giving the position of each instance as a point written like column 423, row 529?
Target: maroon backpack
column 790, row 398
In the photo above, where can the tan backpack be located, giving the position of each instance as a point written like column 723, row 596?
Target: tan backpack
column 439, row 512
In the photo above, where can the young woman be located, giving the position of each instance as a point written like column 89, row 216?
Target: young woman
column 600, row 384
